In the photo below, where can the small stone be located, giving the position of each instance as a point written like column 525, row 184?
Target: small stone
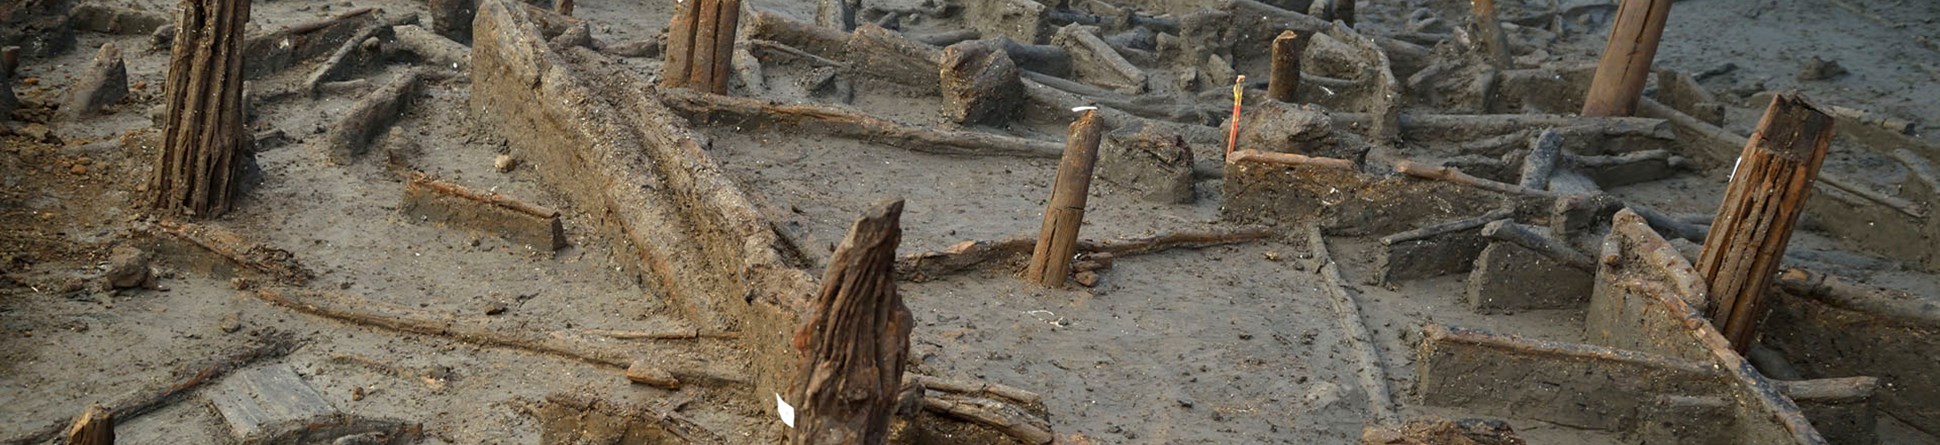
column 127, row 267
column 30, row 81
column 1273, row 255
column 240, row 283
column 1086, row 279
column 78, row 169
column 1821, row 69
column 495, row 308
column 646, row 374
column 505, row 163
column 231, row 323
column 356, row 393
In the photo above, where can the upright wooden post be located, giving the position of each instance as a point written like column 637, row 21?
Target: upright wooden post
column 856, row 340
column 838, row 14
column 1489, row 32
column 1284, row 83
column 1767, row 193
column 96, row 426
column 700, row 45
column 1626, row 58
column 203, row 141
column 1058, row 240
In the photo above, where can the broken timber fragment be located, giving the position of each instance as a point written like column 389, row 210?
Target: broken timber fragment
column 1620, row 76
column 105, row 82
column 96, row 426
column 369, row 118
column 1840, row 408
column 1544, row 150
column 1573, row 384
column 184, row 379
column 838, row 15
column 1524, row 268
column 1096, row 61
column 1761, row 205
column 1432, row 251
column 272, row 404
column 1057, row 242
column 878, row 54
column 1284, row 84
column 287, row 47
column 1488, row 33
column 203, row 148
column 854, row 343
column 430, row 200
column 980, row 83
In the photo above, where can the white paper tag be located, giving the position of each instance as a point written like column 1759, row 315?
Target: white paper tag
column 787, row 412
column 1082, row 109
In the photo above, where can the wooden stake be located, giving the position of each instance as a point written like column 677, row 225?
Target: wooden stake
column 196, row 169
column 853, row 346
column 1239, row 95
column 700, row 68
column 1544, row 150
column 96, row 426
column 680, row 44
column 1057, row 242
column 724, row 36
column 1767, row 193
column 1489, row 33
column 1284, row 85
column 1626, row 58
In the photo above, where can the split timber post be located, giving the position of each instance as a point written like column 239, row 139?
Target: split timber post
column 854, row 345
column 1767, row 193
column 1057, row 242
column 1626, row 58
column 203, row 143
column 1284, row 82
column 700, row 45
column 96, row 426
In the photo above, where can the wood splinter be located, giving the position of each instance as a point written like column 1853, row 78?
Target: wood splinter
column 1057, row 242
column 855, row 341
column 96, row 426
column 1762, row 204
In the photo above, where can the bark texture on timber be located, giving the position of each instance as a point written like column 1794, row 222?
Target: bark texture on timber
column 854, row 345
column 1762, row 204
column 1058, row 240
column 201, row 156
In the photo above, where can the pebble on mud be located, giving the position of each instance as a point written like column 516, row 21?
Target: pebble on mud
column 127, row 267
column 646, row 374
column 231, row 323
column 1821, row 69
column 505, row 163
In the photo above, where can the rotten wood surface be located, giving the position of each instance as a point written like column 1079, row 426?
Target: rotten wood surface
column 232, row 247
column 195, row 172
column 1761, row 206
column 1448, row 227
column 854, row 343
column 855, row 124
column 1890, row 304
column 133, row 404
column 95, row 426
column 1057, row 242
column 1001, row 417
column 1620, row 75
column 680, row 44
column 1284, row 83
column 1532, row 239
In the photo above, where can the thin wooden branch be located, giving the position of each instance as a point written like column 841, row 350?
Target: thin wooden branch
column 1449, row 227
column 1521, row 235
column 1006, row 419
column 275, row 263
column 977, row 389
column 1267, row 157
column 1373, row 375
column 1455, row 175
column 419, row 179
column 854, row 124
